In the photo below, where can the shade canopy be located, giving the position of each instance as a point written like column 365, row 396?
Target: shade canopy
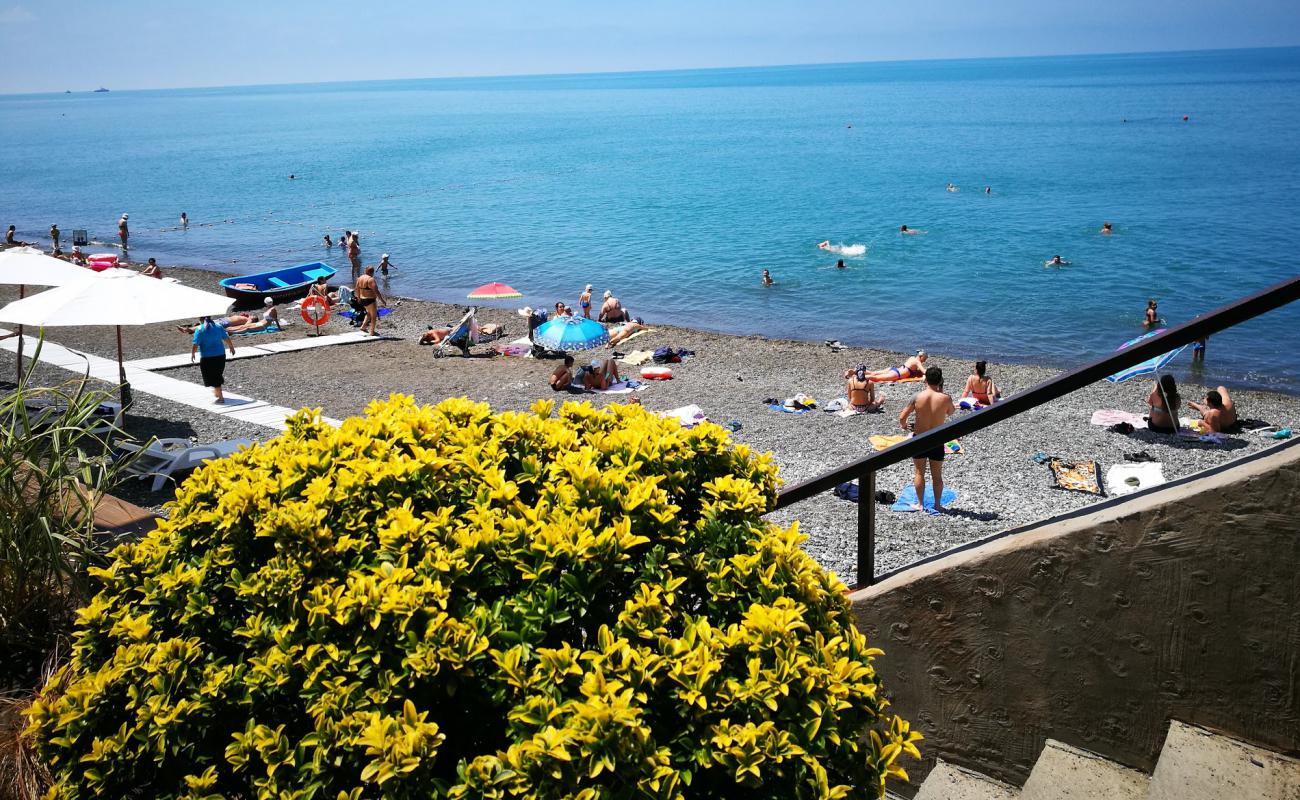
column 494, row 291
column 27, row 266
column 114, row 297
column 571, row 333
column 1148, row 367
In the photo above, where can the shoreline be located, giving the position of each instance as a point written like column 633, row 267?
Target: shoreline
column 854, row 340
column 998, row 486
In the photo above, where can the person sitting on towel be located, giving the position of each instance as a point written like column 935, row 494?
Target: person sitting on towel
column 980, row 387
column 862, row 392
column 1164, row 402
column 1219, row 412
column 627, row 330
column 914, row 367
column 563, row 378
column 602, row 374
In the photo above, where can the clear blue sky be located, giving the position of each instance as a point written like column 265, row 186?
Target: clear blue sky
column 51, row 45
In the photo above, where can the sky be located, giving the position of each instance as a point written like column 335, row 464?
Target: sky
column 52, row 45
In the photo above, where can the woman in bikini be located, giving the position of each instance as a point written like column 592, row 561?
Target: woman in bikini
column 981, row 387
column 913, row 368
column 1164, row 403
column 1152, row 318
column 862, row 392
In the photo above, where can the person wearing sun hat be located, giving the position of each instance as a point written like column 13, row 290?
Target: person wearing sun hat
column 384, row 265
column 584, row 300
column 122, row 232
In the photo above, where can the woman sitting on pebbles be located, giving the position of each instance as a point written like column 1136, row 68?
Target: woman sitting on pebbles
column 1164, row 402
column 980, row 387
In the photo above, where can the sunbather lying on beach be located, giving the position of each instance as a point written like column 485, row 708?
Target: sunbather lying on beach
column 436, row 335
column 234, row 320
column 914, row 367
column 981, row 387
column 1218, row 411
column 269, row 319
column 862, row 392
column 626, row 330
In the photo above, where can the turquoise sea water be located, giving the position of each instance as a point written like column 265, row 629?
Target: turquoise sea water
column 676, row 188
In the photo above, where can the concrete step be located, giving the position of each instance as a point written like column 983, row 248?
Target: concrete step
column 948, row 782
column 1197, row 764
column 1068, row 773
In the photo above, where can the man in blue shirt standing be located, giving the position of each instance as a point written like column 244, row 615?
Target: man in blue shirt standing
column 211, row 342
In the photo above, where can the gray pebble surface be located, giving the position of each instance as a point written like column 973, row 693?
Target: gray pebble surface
column 998, row 485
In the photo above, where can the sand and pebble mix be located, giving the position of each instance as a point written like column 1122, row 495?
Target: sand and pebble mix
column 729, row 377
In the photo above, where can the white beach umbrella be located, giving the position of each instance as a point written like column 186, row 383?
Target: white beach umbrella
column 115, row 297
column 28, row 266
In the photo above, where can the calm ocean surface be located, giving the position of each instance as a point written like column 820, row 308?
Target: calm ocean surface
column 676, row 188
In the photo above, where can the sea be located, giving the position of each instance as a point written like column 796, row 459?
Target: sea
column 676, row 189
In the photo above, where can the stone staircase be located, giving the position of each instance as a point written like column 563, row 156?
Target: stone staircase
column 1195, row 764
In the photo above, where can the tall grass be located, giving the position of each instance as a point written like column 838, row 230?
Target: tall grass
column 53, row 472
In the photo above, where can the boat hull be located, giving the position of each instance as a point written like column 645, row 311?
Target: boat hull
column 280, row 285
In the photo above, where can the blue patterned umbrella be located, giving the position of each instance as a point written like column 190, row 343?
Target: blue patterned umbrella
column 571, row 333
column 1148, row 367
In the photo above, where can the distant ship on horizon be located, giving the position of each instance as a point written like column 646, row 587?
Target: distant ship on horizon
column 100, row 89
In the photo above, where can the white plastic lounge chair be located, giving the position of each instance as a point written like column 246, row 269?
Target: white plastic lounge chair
column 162, row 457
column 106, row 419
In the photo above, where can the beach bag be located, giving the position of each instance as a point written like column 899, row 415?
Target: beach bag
column 665, row 355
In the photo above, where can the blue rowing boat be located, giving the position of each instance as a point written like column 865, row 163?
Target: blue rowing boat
column 288, row 283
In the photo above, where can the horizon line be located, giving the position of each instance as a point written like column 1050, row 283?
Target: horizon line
column 660, row 71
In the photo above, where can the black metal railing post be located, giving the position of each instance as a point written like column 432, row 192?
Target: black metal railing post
column 867, row 528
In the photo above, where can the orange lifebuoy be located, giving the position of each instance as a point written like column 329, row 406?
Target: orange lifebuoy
column 315, row 310
column 656, row 373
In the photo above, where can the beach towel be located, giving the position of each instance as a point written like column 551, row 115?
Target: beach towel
column 882, row 442
column 1075, row 476
column 383, row 312
column 779, row 407
column 907, row 498
column 849, row 412
column 270, row 329
column 970, row 404
column 1122, row 479
column 622, row 387
column 1110, row 416
column 636, row 358
column 519, row 347
column 688, row 416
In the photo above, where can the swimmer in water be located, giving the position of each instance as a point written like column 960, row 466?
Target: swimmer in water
column 185, row 220
column 1056, row 261
column 1106, row 229
column 293, row 177
column 1152, row 318
column 839, row 264
column 903, row 229
column 826, row 245
column 952, row 188
column 767, row 278
column 988, row 190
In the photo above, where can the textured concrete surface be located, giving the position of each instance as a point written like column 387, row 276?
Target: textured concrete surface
column 1068, row 773
column 948, row 782
column 1195, row 764
column 1181, row 603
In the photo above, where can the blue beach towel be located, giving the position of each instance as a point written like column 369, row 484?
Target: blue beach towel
column 907, row 498
column 779, row 407
column 383, row 312
column 271, row 329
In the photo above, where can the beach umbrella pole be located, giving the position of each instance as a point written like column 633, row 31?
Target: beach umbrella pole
column 22, row 292
column 125, row 388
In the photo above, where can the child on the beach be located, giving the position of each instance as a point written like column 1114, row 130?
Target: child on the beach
column 584, row 300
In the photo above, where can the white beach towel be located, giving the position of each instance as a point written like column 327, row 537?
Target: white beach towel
column 1109, row 416
column 688, row 416
column 1122, row 479
column 622, row 387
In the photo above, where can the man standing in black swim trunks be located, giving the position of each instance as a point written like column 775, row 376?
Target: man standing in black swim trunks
column 932, row 407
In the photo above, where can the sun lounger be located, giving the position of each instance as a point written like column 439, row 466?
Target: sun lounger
column 161, row 458
column 105, row 419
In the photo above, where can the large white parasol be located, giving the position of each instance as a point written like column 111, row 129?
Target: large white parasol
column 28, row 266
column 115, row 297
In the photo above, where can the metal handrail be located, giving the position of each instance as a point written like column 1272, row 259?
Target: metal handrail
column 864, row 469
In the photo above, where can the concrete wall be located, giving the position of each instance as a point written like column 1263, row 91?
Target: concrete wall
column 1181, row 603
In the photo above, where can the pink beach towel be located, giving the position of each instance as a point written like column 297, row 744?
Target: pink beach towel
column 1109, row 416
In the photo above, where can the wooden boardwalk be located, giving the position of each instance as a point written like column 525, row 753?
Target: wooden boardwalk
column 237, row 406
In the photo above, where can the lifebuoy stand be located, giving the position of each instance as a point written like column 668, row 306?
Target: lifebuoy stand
column 315, row 311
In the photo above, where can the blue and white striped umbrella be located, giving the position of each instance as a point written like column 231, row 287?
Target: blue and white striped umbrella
column 1148, row 367
column 571, row 333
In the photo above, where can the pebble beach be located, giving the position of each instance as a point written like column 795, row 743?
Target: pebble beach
column 999, row 485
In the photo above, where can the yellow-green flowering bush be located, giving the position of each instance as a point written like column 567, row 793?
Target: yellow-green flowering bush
column 446, row 602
